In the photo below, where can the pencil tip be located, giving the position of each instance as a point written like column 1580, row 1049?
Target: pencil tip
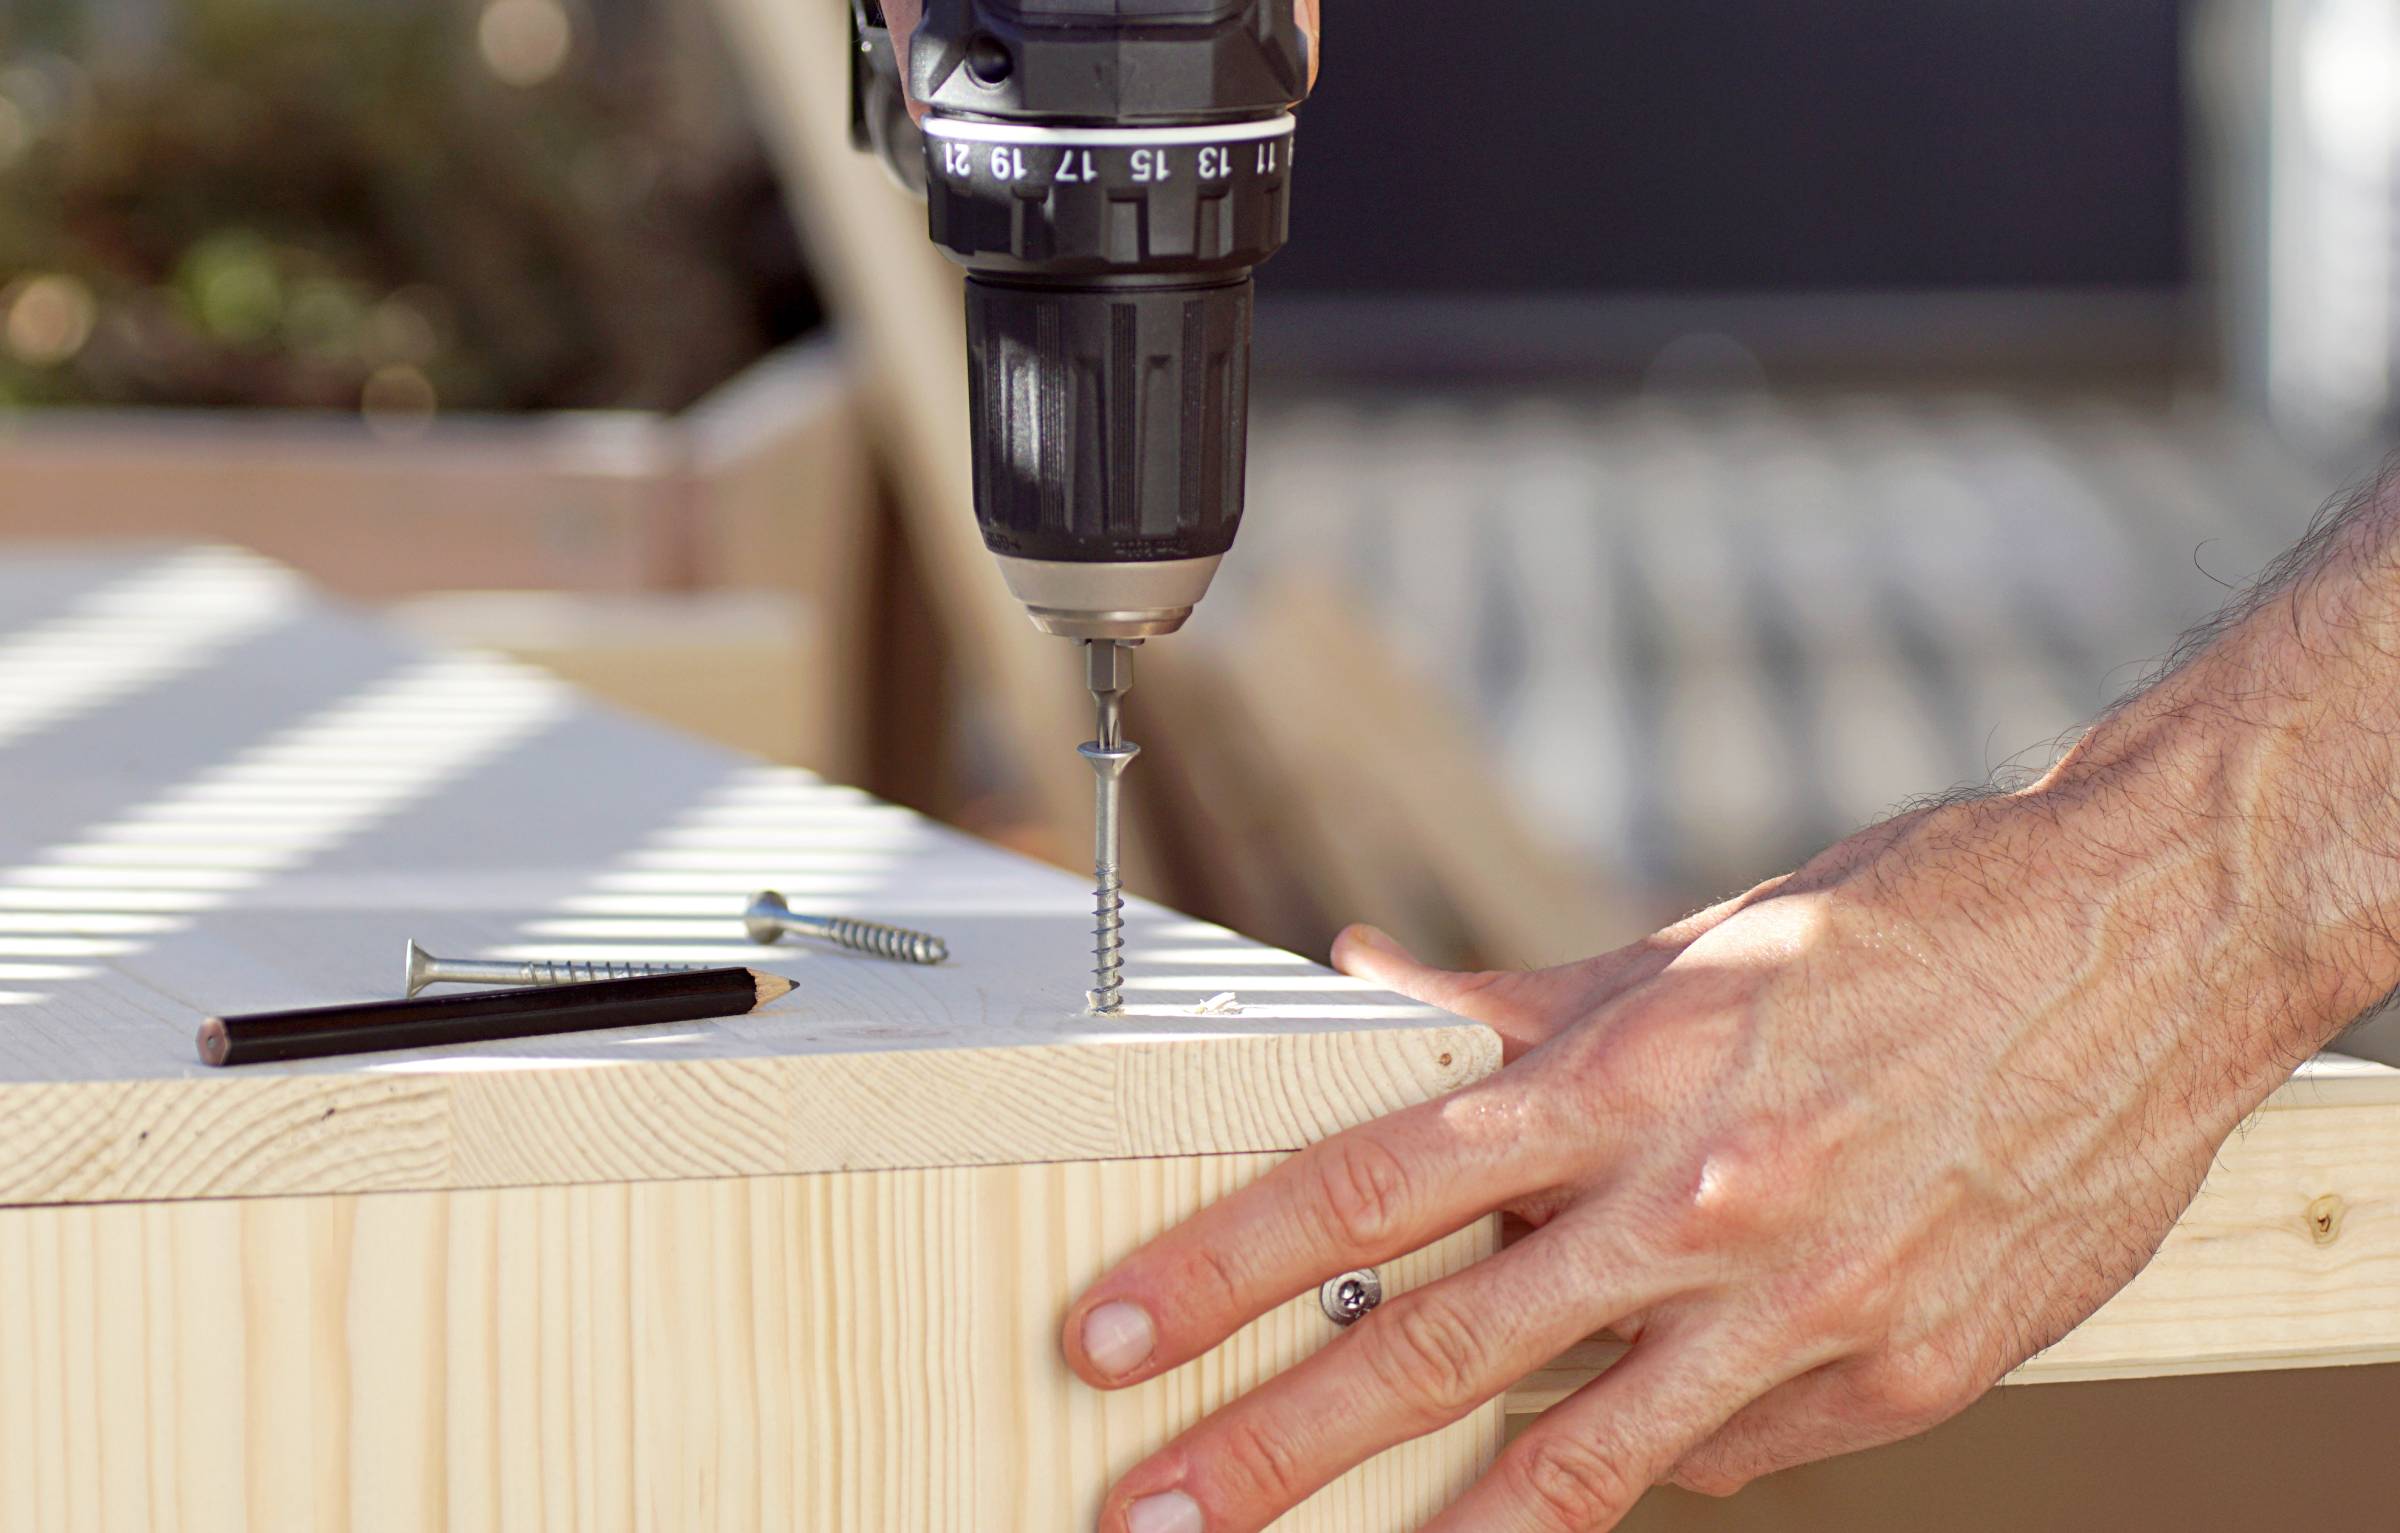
column 771, row 987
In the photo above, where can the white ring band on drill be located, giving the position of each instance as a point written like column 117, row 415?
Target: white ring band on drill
column 1097, row 138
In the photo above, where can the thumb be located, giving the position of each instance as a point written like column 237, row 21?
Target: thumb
column 1519, row 1006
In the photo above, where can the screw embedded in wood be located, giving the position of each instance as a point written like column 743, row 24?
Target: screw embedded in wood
column 424, row 969
column 1347, row 1299
column 769, row 917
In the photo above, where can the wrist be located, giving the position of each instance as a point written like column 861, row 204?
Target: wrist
column 2255, row 793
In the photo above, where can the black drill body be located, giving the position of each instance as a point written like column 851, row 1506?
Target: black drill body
column 1110, row 173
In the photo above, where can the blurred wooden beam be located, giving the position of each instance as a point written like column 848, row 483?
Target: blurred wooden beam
column 898, row 304
column 754, row 670
column 763, row 483
column 1390, row 803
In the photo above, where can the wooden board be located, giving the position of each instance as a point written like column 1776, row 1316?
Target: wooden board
column 763, row 482
column 864, row 1353
column 257, row 800
column 325, row 791
column 751, row 670
column 2289, row 1257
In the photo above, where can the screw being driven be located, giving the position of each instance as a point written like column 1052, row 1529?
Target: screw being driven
column 768, row 918
column 1347, row 1299
column 1107, row 994
column 1111, row 674
column 424, row 969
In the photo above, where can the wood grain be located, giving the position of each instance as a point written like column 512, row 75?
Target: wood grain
column 264, row 1135
column 2289, row 1257
column 865, row 1353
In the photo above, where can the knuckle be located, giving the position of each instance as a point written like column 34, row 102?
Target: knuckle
column 1259, row 1467
column 1848, row 1306
column 1363, row 1189
column 1428, row 1357
column 1639, row 1070
column 1721, row 1200
column 1916, row 1392
column 1571, row 1487
column 1481, row 981
column 1209, row 1282
column 1711, row 1477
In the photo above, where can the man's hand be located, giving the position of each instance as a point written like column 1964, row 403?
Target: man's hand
column 1837, row 1155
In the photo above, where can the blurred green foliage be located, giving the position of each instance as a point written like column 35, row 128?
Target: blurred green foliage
column 293, row 202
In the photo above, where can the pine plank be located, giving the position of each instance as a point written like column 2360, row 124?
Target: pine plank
column 862, row 1353
column 484, row 809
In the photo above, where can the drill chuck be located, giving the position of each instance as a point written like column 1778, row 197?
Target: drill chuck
column 1108, row 352
column 1110, row 173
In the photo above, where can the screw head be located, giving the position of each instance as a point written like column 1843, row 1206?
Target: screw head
column 418, row 972
column 1109, row 763
column 764, row 919
column 1347, row 1299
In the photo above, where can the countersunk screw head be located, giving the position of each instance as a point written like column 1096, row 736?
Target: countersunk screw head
column 419, row 972
column 765, row 917
column 1109, row 762
column 1347, row 1299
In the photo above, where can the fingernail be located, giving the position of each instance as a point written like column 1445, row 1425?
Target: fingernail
column 1118, row 1337
column 1173, row 1512
column 1377, row 938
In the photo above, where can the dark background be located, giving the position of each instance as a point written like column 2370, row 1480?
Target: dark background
column 1689, row 146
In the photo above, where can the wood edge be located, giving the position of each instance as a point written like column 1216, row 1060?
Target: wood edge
column 1541, row 1390
column 432, row 1131
column 2378, row 1086
column 1482, row 1041
column 2036, row 1372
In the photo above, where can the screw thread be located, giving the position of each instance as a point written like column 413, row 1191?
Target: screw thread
column 894, row 942
column 585, row 971
column 1108, row 943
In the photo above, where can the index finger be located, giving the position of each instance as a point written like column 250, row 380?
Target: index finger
column 1364, row 1196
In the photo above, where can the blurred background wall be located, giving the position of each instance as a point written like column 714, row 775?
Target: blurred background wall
column 1708, row 422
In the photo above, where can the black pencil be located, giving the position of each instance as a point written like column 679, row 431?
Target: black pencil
column 441, row 1020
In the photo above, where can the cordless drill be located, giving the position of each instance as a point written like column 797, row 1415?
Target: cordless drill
column 1110, row 173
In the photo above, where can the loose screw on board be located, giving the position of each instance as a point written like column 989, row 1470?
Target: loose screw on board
column 769, row 917
column 424, row 969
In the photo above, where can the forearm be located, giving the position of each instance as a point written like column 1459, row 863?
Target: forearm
column 2245, row 810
